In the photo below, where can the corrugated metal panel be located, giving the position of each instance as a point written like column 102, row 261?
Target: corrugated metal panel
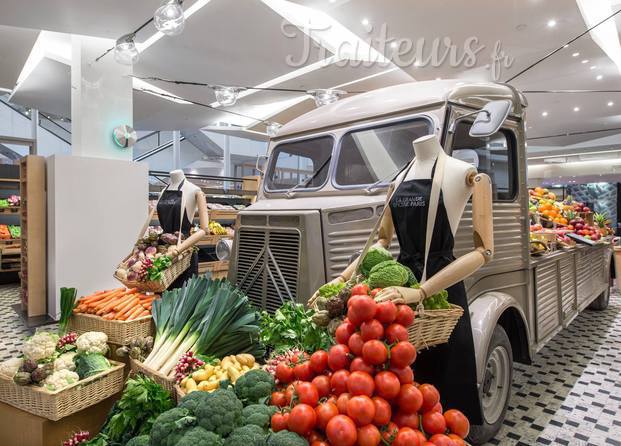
column 567, row 266
column 547, row 293
column 584, row 278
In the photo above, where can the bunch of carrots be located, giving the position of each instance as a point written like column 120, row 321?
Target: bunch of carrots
column 119, row 304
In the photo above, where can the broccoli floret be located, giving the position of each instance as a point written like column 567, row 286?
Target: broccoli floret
column 250, row 435
column 169, row 427
column 255, row 385
column 258, row 415
column 286, row 438
column 192, row 400
column 388, row 273
column 221, row 412
column 142, row 440
column 197, row 436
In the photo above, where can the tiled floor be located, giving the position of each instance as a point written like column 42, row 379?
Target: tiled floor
column 570, row 395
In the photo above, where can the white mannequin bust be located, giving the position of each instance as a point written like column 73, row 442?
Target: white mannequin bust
column 189, row 192
column 456, row 188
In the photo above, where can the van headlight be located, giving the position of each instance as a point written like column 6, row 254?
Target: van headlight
column 223, row 249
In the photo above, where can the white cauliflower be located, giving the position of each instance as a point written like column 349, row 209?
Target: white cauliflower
column 65, row 362
column 11, row 366
column 92, row 342
column 60, row 379
column 41, row 346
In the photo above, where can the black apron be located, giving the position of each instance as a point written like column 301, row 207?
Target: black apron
column 450, row 367
column 169, row 208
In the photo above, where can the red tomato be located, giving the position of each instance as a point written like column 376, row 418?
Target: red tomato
column 363, row 309
column 358, row 365
column 437, row 408
column 341, row 431
column 320, row 443
column 290, row 392
column 441, row 440
column 307, row 393
column 341, row 402
column 396, row 333
column 433, row 423
column 361, row 409
column 302, row 419
column 284, row 372
column 374, row 352
column 375, row 291
column 387, row 385
column 402, row 355
column 319, row 361
column 322, row 384
column 386, row 311
column 331, row 399
column 298, row 357
column 405, row 375
column 390, row 432
column 369, row 435
column 406, row 419
column 303, row 371
column 431, row 396
column 383, row 411
column 315, row 436
column 325, row 412
column 421, row 437
column 360, row 289
column 372, row 329
column 355, row 344
column 360, row 383
column 338, row 381
column 457, row 422
column 410, row 399
column 457, row 440
column 343, row 332
column 280, row 421
column 405, row 315
column 278, row 399
column 338, row 357
column 406, row 437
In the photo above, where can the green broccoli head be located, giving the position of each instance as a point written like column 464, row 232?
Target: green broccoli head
column 253, row 386
column 286, row 438
column 197, row 436
column 375, row 255
column 388, row 273
column 194, row 399
column 258, row 415
column 169, row 427
column 250, row 435
column 221, row 412
column 142, row 440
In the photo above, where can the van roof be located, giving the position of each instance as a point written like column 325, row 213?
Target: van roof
column 399, row 98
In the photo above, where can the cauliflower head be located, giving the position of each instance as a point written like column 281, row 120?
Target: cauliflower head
column 61, row 379
column 65, row 362
column 41, row 346
column 92, row 342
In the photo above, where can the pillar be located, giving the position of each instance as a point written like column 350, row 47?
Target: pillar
column 227, row 162
column 176, row 149
column 101, row 99
column 34, row 130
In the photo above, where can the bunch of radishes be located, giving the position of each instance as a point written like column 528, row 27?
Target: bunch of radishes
column 188, row 363
column 77, row 438
column 362, row 391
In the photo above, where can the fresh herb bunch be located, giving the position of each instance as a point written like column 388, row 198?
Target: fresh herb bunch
column 292, row 326
column 159, row 265
column 330, row 289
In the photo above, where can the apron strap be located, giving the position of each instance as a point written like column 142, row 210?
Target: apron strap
column 182, row 214
column 434, row 198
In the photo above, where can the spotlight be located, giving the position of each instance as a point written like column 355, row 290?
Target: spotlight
column 227, row 96
column 272, row 129
column 324, row 97
column 125, row 51
column 169, row 18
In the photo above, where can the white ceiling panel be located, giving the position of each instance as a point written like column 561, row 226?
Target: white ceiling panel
column 15, row 46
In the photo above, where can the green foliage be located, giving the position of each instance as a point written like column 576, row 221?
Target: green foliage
column 67, row 304
column 160, row 264
column 330, row 289
column 221, row 412
column 438, row 301
column 292, row 326
column 375, row 255
column 257, row 415
column 254, row 386
column 170, row 426
column 89, row 364
column 197, row 436
column 249, row 435
column 286, row 438
column 141, row 440
column 388, row 273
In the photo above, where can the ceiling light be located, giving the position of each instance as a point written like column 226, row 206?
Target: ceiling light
column 125, row 51
column 551, row 23
column 169, row 18
column 610, row 104
column 365, row 22
column 227, row 96
column 599, row 77
column 394, row 44
column 544, row 114
column 585, row 61
column 592, row 67
column 324, row 97
column 576, row 109
column 272, row 129
column 575, row 55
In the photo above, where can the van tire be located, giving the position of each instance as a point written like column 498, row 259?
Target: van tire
column 498, row 367
column 601, row 302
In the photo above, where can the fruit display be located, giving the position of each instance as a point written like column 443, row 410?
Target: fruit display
column 209, row 377
column 216, row 228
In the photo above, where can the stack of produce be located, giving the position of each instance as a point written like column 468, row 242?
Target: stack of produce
column 14, row 200
column 216, row 228
column 362, row 391
column 209, row 376
column 120, row 304
column 206, row 317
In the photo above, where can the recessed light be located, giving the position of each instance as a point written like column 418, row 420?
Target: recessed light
column 585, row 61
column 575, row 55
column 551, row 23
column 576, row 109
column 394, row 44
column 544, row 114
column 599, row 77
column 592, row 67
column 610, row 104
column 365, row 22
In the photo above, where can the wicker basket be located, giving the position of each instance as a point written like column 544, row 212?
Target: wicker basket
column 61, row 403
column 119, row 332
column 179, row 265
column 164, row 381
column 433, row 327
column 179, row 393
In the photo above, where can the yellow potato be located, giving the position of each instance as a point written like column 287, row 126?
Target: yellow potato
column 208, row 385
column 183, row 381
column 245, row 368
column 233, row 373
column 190, row 385
column 200, row 375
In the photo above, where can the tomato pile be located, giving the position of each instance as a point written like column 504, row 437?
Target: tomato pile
column 362, row 391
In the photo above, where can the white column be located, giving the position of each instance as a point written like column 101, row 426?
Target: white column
column 101, row 99
column 34, row 129
column 227, row 161
column 176, row 149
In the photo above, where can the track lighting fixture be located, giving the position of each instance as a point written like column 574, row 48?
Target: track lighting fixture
column 324, row 97
column 125, row 51
column 169, row 18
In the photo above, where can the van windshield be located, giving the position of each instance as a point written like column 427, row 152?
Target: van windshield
column 371, row 155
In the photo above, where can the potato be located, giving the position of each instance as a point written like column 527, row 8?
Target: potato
column 245, row 368
column 200, row 375
column 233, row 373
column 208, row 385
column 183, row 381
column 190, row 385
column 245, row 359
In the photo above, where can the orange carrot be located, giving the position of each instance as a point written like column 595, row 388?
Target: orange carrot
column 124, row 300
column 135, row 313
column 128, row 308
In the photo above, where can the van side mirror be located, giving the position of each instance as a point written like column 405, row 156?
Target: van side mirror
column 261, row 164
column 490, row 118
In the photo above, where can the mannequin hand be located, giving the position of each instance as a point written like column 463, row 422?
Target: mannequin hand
column 174, row 253
column 314, row 297
column 400, row 295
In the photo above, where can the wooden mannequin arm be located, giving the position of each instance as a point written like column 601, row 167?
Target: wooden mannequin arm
column 483, row 236
column 203, row 217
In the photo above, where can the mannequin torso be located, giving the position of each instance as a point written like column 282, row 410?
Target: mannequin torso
column 188, row 189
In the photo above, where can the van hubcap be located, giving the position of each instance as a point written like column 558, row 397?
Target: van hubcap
column 496, row 384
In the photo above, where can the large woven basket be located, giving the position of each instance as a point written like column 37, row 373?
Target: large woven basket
column 119, row 332
column 433, row 327
column 163, row 380
column 178, row 266
column 64, row 402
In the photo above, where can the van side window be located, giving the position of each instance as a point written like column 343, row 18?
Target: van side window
column 495, row 156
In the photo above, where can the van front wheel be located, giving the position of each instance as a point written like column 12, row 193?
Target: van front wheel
column 496, row 387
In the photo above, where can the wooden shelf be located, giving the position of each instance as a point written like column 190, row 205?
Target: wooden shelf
column 212, row 239
column 223, row 214
column 9, row 180
column 10, row 210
